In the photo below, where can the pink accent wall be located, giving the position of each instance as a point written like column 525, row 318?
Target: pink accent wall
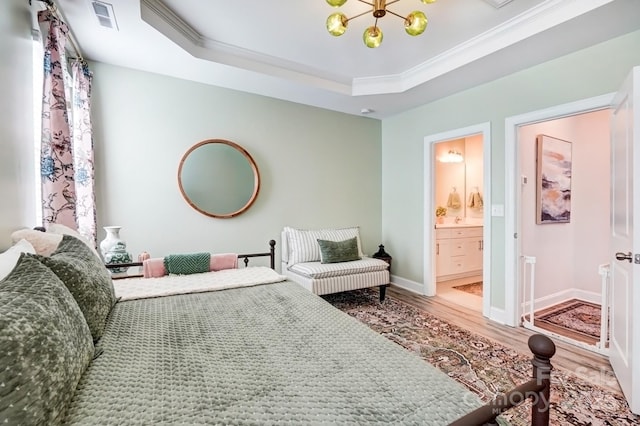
column 568, row 254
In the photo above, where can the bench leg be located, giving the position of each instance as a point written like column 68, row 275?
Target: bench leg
column 383, row 290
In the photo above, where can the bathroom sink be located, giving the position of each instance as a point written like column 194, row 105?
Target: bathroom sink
column 462, row 224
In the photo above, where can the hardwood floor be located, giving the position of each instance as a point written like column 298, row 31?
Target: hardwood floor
column 590, row 366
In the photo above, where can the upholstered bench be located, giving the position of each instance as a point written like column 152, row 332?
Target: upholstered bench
column 302, row 262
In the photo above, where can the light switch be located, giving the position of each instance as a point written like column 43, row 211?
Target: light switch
column 497, row 210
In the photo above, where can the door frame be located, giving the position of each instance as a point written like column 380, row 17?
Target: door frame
column 512, row 244
column 429, row 272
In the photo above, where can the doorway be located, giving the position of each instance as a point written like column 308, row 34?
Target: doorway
column 457, row 222
column 564, row 233
column 515, row 266
column 457, row 190
column 624, row 239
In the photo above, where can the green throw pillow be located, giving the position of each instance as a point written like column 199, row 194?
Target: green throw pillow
column 86, row 278
column 45, row 345
column 184, row 264
column 338, row 251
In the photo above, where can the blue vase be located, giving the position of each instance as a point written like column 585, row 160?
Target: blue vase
column 117, row 254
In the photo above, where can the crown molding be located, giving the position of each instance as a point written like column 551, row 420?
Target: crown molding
column 498, row 3
column 165, row 21
column 537, row 19
column 155, row 12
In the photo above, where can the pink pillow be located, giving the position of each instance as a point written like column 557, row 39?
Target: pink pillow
column 56, row 228
column 44, row 243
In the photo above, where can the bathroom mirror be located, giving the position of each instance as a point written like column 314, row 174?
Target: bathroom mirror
column 218, row 178
column 451, row 189
column 458, row 181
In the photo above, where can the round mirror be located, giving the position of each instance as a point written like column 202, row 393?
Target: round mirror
column 218, row 178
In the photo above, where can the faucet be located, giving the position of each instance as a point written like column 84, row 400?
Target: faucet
column 458, row 219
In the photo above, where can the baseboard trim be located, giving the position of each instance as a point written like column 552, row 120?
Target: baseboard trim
column 588, row 296
column 476, row 273
column 562, row 296
column 499, row 316
column 407, row 284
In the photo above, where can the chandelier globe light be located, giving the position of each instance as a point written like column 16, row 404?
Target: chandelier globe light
column 414, row 23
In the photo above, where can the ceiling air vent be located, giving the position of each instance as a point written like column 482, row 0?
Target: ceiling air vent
column 498, row 3
column 105, row 15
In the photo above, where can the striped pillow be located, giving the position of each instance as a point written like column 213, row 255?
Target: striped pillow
column 303, row 243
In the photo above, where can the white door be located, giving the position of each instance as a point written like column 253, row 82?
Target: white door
column 624, row 345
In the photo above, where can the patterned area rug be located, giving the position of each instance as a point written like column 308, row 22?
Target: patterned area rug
column 485, row 367
column 576, row 315
column 473, row 288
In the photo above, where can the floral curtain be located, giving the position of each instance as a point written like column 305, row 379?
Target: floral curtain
column 66, row 160
column 82, row 137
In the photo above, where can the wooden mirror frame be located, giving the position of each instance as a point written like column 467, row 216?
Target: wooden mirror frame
column 252, row 164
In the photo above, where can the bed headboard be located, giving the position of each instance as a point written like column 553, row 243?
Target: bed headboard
column 245, row 257
column 271, row 254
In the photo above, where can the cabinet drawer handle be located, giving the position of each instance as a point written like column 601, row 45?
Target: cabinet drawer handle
column 438, row 248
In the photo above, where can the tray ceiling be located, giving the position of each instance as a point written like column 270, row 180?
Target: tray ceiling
column 281, row 48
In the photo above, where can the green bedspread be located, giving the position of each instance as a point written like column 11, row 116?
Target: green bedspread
column 269, row 354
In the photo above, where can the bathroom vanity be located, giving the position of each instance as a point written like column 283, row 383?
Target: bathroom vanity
column 459, row 250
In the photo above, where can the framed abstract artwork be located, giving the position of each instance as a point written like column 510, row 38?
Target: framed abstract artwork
column 553, row 200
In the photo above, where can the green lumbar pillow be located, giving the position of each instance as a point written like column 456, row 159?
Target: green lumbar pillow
column 184, row 264
column 338, row 251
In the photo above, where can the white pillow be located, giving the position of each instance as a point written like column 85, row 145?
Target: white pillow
column 56, row 228
column 9, row 258
column 303, row 243
column 44, row 243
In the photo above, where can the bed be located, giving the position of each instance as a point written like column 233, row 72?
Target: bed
column 269, row 353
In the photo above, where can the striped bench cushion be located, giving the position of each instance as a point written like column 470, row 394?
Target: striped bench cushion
column 327, row 270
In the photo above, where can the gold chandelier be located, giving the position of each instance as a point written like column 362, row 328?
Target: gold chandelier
column 414, row 24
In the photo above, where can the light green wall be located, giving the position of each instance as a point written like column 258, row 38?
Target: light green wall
column 319, row 168
column 591, row 72
column 16, row 120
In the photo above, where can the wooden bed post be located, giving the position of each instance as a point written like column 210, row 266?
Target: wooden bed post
column 272, row 250
column 543, row 349
column 538, row 389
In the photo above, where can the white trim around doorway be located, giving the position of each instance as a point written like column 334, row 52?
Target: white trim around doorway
column 512, row 195
column 429, row 272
